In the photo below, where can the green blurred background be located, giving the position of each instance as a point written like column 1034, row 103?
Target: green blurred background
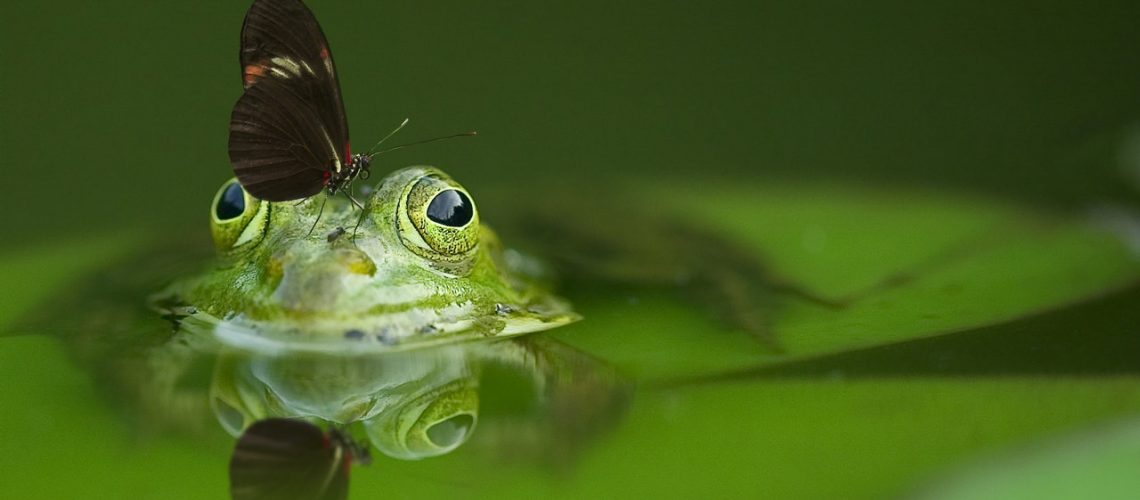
column 121, row 108
column 114, row 115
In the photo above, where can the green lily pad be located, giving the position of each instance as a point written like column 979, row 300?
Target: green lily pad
column 907, row 265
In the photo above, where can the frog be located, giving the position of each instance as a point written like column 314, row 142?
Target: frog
column 419, row 267
column 412, row 268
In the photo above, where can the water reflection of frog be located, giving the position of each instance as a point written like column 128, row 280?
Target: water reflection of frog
column 420, row 403
column 530, row 394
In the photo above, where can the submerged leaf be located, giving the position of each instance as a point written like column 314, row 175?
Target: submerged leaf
column 899, row 265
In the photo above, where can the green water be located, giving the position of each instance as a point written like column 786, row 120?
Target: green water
column 897, row 130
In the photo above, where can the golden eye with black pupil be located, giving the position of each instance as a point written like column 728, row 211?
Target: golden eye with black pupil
column 439, row 222
column 237, row 219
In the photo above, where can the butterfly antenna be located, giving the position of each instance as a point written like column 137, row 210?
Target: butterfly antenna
column 390, row 134
column 319, row 213
column 425, row 141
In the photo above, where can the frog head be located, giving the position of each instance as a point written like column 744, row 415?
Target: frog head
column 411, row 263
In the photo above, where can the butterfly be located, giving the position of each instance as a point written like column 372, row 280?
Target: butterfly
column 288, row 131
column 280, row 458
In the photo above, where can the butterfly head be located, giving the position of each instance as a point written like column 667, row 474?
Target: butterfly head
column 363, row 165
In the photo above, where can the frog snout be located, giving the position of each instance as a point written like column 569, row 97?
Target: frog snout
column 316, row 284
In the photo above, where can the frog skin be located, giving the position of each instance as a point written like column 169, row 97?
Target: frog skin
column 414, row 264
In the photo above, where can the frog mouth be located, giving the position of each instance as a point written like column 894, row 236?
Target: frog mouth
column 406, row 330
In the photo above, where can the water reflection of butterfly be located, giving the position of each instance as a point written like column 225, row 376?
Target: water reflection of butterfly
column 280, row 458
column 288, row 131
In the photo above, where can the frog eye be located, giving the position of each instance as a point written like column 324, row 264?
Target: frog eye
column 438, row 220
column 450, row 208
column 236, row 218
column 231, row 202
column 430, row 425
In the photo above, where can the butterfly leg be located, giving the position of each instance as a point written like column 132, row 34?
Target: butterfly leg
column 319, row 213
column 353, row 200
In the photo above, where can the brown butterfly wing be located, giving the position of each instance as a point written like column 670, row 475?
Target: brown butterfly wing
column 281, row 458
column 288, row 131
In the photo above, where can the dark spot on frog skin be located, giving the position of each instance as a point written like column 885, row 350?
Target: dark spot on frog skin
column 503, row 309
column 354, row 335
